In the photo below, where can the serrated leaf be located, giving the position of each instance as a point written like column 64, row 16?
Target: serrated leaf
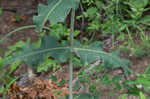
column 50, row 46
column 34, row 56
column 95, row 51
column 85, row 52
column 55, row 11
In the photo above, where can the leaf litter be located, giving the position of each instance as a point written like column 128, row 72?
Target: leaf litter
column 42, row 89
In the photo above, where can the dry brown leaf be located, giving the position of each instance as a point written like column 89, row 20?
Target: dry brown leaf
column 45, row 89
column 13, row 19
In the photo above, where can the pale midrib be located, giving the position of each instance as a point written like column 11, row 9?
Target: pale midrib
column 49, row 13
column 61, row 48
column 42, row 51
column 100, row 52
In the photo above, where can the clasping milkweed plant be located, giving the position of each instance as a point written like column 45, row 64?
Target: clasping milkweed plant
column 56, row 11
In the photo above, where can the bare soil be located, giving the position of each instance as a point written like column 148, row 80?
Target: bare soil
column 26, row 9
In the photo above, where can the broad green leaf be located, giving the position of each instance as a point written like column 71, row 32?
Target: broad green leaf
column 116, row 79
column 48, row 63
column 15, row 47
column 91, row 12
column 143, row 81
column 95, row 51
column 14, row 66
column 85, row 52
column 2, row 89
column 112, row 26
column 99, row 4
column 34, row 56
column 49, row 46
column 147, row 71
column 59, row 30
column 142, row 96
column 106, row 79
column 92, row 88
column 124, row 96
column 55, row 11
column 54, row 78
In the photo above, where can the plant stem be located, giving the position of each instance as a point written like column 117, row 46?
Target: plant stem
column 16, row 30
column 71, row 56
column 19, row 29
column 70, row 77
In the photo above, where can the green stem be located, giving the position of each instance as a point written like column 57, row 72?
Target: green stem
column 130, row 36
column 19, row 29
column 113, row 40
column 71, row 56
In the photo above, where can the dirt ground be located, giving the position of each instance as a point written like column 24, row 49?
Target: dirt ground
column 26, row 9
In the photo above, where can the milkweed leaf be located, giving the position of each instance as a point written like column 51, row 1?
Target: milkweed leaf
column 50, row 47
column 95, row 51
column 35, row 56
column 55, row 11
